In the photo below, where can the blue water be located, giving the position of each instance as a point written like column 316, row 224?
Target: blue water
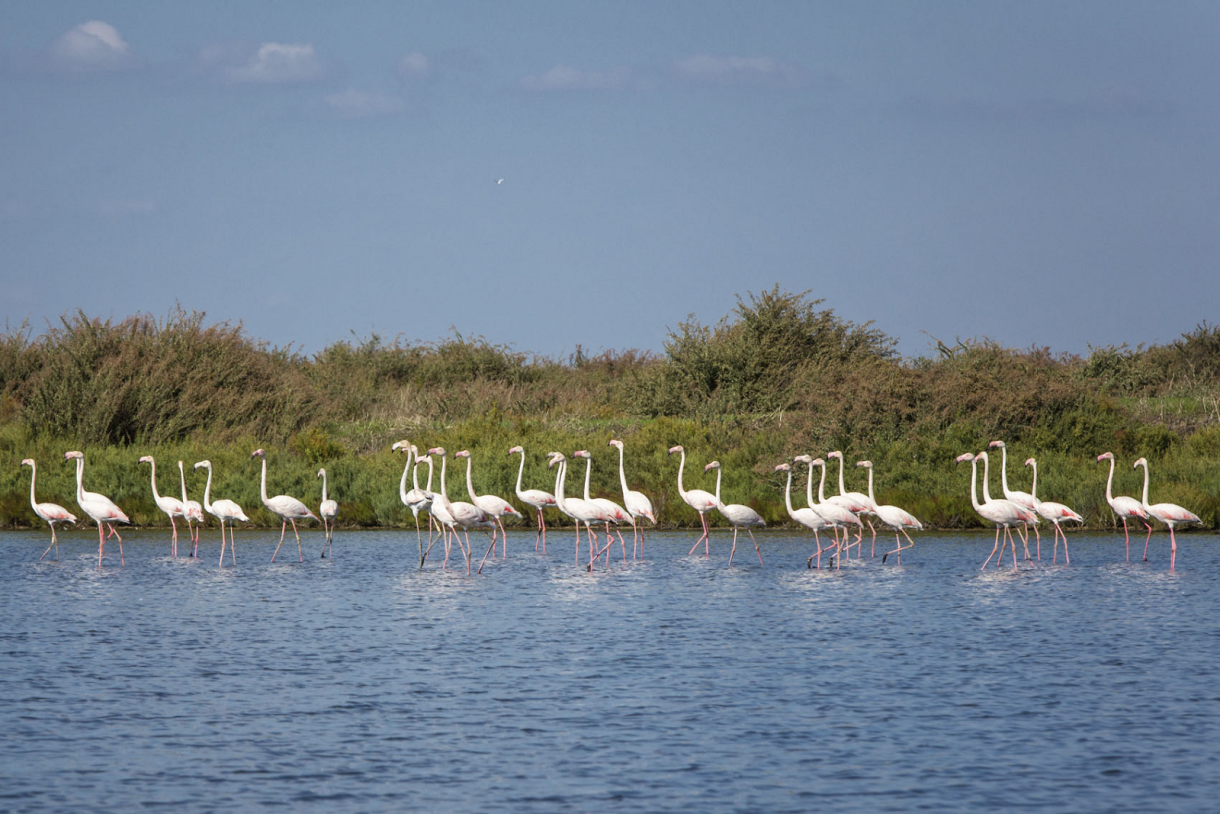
column 361, row 683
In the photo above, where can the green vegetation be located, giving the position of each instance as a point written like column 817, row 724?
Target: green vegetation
column 776, row 377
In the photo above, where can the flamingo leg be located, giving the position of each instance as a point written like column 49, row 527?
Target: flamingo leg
column 994, row 548
column 1038, row 535
column 703, row 523
column 873, row 551
column 1014, row 548
column 503, row 538
column 734, row 549
column 222, row 544
column 54, row 544
column 1149, row 537
column 757, row 550
column 298, row 536
column 1066, row 558
column 1173, row 547
column 489, row 548
column 1127, row 539
column 283, row 529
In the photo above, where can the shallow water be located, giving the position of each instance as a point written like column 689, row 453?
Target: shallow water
column 360, row 682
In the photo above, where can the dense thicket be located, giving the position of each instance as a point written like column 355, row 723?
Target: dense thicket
column 777, row 376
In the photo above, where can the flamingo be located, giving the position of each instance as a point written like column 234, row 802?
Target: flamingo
column 1054, row 512
column 172, row 506
column 52, row 513
column 461, row 514
column 327, row 510
column 533, row 497
column 739, row 516
column 614, row 513
column 832, row 511
column 1170, row 514
column 807, row 517
column 222, row 510
column 99, row 507
column 417, row 498
column 1004, row 513
column 491, row 505
column 857, row 503
column 1124, row 506
column 288, row 509
column 896, row 518
column 1022, row 499
column 581, row 511
column 637, row 504
column 194, row 512
column 699, row 500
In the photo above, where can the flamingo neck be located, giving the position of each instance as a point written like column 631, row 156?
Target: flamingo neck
column 1004, row 470
column 788, row 495
column 809, row 487
column 182, row 480
column 444, row 494
column 822, row 485
column 622, row 476
column 1145, row 486
column 469, row 483
column 681, row 466
column 588, row 469
column 324, row 485
column 1033, row 487
column 152, row 463
column 411, row 454
column 870, row 485
column 974, row 497
column 560, row 501
column 718, row 473
column 80, row 479
column 402, row 482
column 520, row 472
column 428, row 488
column 986, row 477
column 207, row 491
column 842, row 491
column 33, row 475
column 263, row 485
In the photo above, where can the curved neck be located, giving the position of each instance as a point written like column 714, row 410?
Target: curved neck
column 1145, row 465
column 1033, row 487
column 842, row 491
column 412, row 454
column 428, row 488
column 974, row 495
column 622, row 476
column 986, row 476
column 152, row 463
column 822, row 485
column 1109, row 483
column 33, row 475
column 469, row 483
column 323, row 485
column 520, row 472
column 809, row 487
column 1003, row 470
column 681, row 466
column 402, row 482
column 560, row 501
column 788, row 495
column 207, row 491
column 588, row 470
column 718, row 472
column 80, row 479
column 182, row 479
column 444, row 494
column 870, row 485
column 262, row 489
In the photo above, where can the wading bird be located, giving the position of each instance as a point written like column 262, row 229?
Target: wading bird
column 286, row 508
column 807, row 517
column 193, row 514
column 1124, row 506
column 52, row 513
column 1054, row 512
column 1170, row 514
column 172, row 506
column 1003, row 513
column 739, row 516
column 636, row 503
column 222, row 510
column 1023, row 499
column 327, row 510
column 491, row 505
column 699, row 500
column 98, row 507
column 896, row 518
column 535, row 498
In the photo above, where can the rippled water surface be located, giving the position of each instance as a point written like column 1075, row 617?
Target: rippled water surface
column 360, row 682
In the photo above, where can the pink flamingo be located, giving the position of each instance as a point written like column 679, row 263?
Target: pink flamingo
column 193, row 514
column 739, row 516
column 699, row 500
column 637, row 504
column 1022, row 499
column 417, row 499
column 172, row 506
column 839, row 517
column 462, row 514
column 1054, row 512
column 439, row 510
column 807, row 517
column 579, row 510
column 614, row 513
column 328, row 510
column 288, row 509
column 494, row 507
column 536, row 498
column 896, row 518
column 222, row 510
column 52, row 513
column 1124, row 506
column 1170, row 514
column 857, row 503
column 98, row 507
column 1003, row 513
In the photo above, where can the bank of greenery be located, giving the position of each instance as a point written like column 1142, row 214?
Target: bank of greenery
column 776, row 377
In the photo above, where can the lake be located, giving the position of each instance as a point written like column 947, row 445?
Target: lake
column 359, row 682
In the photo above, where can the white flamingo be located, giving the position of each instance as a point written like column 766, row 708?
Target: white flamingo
column 328, row 510
column 832, row 511
column 536, row 498
column 636, row 503
column 807, row 517
column 857, row 503
column 99, row 507
column 897, row 518
column 463, row 515
column 699, row 500
column 1125, row 507
column 172, row 506
column 1004, row 513
column 580, row 511
column 287, row 508
column 1054, row 512
column 1171, row 514
column 614, row 513
column 222, row 510
column 417, row 499
column 739, row 516
column 52, row 513
column 1022, row 499
column 194, row 512
column 492, row 506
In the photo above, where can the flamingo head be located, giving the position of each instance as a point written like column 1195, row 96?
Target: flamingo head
column 517, row 449
column 1030, row 462
column 616, row 443
column 836, row 454
column 1105, row 456
column 462, row 453
column 208, row 464
column 403, row 445
column 1140, row 462
column 996, row 444
column 672, row 450
column 427, row 459
column 982, row 456
column 28, row 462
column 73, row 454
column 147, row 459
column 554, row 458
column 582, row 453
column 865, row 464
column 712, row 465
column 321, row 473
column 782, row 467
column 817, row 462
column 258, row 453
column 805, row 459
column 965, row 456
column 437, row 451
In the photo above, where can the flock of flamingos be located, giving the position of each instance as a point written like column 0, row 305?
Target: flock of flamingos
column 839, row 514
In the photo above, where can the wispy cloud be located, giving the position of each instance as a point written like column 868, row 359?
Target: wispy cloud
column 271, row 63
column 359, row 104
column 566, row 78
column 90, row 47
column 736, row 70
column 415, row 65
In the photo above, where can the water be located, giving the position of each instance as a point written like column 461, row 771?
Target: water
column 361, row 683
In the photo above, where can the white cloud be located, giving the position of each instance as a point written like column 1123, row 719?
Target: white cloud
column 91, row 46
column 730, row 70
column 359, row 104
column 415, row 64
column 564, row 78
column 272, row 63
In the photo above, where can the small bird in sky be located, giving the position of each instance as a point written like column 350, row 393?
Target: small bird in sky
column 500, row 181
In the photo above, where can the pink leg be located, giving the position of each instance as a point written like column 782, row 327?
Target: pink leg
column 101, row 544
column 1014, row 548
column 503, row 539
column 994, row 548
column 298, row 536
column 1127, row 538
column 283, row 529
column 222, row 544
column 1149, row 537
column 489, row 548
column 1173, row 548
column 734, row 549
column 757, row 550
column 703, row 525
column 873, row 551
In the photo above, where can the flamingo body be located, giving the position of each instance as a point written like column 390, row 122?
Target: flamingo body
column 50, row 513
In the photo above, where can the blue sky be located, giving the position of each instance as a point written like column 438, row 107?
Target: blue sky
column 1037, row 173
